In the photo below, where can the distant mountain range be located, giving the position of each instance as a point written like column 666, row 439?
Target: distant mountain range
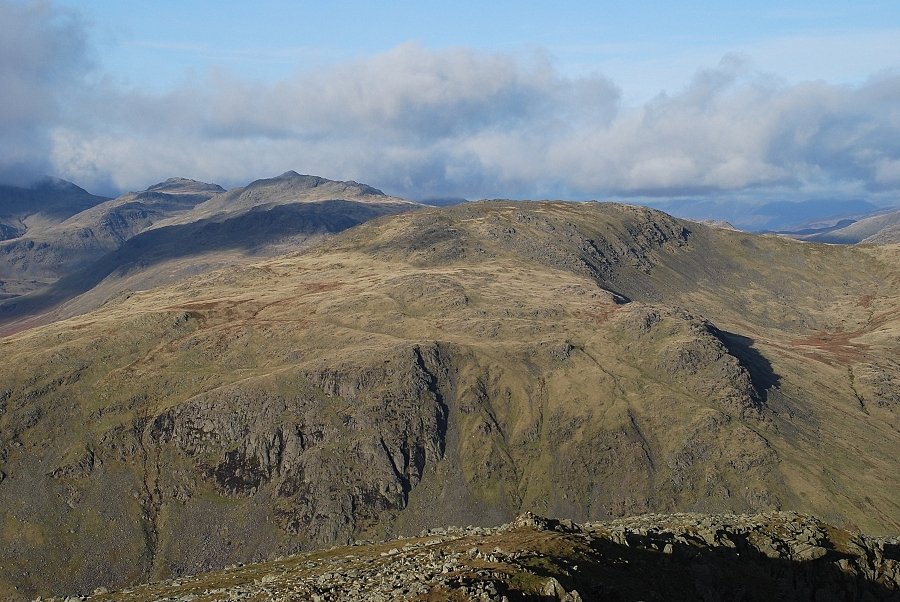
column 772, row 216
column 882, row 227
column 173, row 229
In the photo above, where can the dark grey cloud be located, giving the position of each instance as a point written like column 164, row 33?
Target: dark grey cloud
column 424, row 122
column 43, row 58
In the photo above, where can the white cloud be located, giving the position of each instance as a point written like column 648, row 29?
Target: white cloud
column 887, row 172
column 426, row 122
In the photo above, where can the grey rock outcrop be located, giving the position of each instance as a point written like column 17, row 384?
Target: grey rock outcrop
column 778, row 555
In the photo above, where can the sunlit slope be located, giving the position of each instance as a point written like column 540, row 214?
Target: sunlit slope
column 447, row 366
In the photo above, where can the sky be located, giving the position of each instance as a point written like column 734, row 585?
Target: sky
column 609, row 100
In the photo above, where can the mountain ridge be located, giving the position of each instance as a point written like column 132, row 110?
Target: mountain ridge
column 466, row 364
column 289, row 187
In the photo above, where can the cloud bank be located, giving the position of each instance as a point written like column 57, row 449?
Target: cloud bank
column 43, row 58
column 422, row 122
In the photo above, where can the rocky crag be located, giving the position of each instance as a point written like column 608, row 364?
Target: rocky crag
column 771, row 556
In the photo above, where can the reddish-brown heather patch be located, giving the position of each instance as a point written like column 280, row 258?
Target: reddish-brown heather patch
column 832, row 347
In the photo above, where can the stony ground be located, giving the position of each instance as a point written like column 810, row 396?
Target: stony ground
column 777, row 555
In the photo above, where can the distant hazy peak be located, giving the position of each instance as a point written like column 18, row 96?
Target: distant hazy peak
column 717, row 223
column 305, row 181
column 49, row 183
column 177, row 185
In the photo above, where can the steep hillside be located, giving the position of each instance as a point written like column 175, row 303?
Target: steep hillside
column 67, row 236
column 30, row 210
column 44, row 203
column 33, row 209
column 886, row 236
column 59, row 249
column 448, row 366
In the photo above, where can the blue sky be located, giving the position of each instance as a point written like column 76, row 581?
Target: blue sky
column 574, row 99
column 647, row 47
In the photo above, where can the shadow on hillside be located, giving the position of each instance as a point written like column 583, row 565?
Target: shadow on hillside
column 613, row 572
column 762, row 375
column 250, row 231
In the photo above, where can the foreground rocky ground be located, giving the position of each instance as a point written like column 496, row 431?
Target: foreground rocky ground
column 770, row 556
